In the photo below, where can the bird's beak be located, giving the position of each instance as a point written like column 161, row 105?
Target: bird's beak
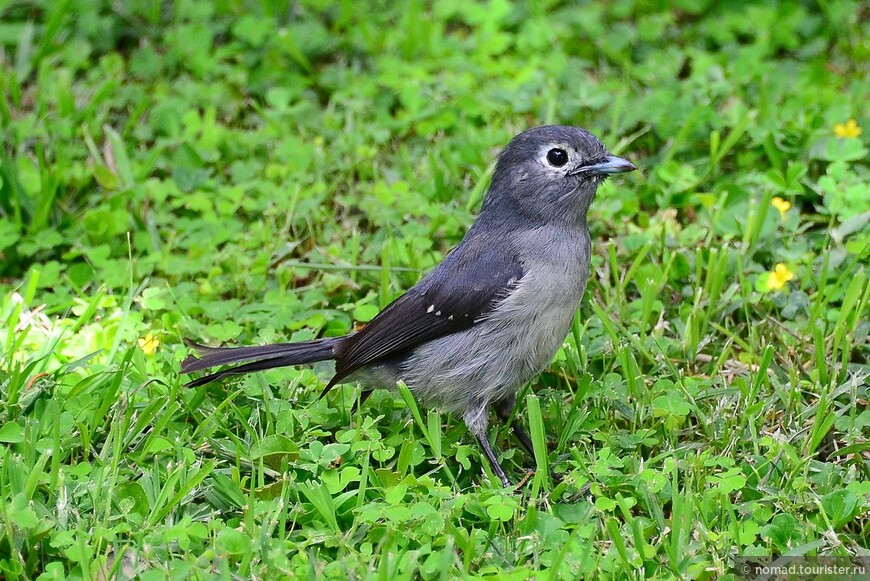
column 613, row 164
column 609, row 166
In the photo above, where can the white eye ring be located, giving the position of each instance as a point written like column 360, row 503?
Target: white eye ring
column 557, row 157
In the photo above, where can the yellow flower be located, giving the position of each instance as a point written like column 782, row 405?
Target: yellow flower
column 848, row 129
column 780, row 275
column 148, row 344
column 782, row 205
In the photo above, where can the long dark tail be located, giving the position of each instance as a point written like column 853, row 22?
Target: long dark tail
column 259, row 357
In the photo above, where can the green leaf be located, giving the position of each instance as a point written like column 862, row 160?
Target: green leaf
column 840, row 506
column 21, row 512
column 502, row 512
column 11, row 433
column 233, row 542
column 365, row 313
column 671, row 404
column 605, row 504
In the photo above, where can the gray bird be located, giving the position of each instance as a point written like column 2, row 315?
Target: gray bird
column 491, row 316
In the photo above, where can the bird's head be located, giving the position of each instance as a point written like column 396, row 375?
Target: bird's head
column 551, row 173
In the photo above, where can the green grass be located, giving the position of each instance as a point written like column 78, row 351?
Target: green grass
column 244, row 172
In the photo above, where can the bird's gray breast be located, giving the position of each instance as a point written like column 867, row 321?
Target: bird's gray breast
column 518, row 339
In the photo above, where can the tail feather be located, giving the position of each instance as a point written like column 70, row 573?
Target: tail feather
column 241, row 369
column 259, row 357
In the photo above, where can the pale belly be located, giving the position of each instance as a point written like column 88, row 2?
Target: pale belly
column 497, row 357
column 504, row 350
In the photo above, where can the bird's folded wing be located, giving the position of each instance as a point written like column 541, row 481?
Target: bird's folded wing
column 460, row 292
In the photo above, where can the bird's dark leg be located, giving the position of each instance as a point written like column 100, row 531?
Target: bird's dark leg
column 493, row 461
column 476, row 420
column 363, row 396
column 503, row 409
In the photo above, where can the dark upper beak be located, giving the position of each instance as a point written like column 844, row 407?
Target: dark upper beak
column 609, row 166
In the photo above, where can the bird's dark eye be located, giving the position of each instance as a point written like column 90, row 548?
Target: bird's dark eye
column 557, row 157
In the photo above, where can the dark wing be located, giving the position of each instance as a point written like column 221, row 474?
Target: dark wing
column 457, row 294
